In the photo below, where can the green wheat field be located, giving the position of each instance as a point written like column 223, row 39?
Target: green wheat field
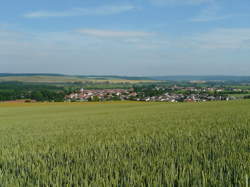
column 125, row 144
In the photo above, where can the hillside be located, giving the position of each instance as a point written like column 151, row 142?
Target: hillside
column 202, row 78
column 59, row 78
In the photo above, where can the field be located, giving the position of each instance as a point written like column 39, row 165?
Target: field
column 125, row 144
column 69, row 79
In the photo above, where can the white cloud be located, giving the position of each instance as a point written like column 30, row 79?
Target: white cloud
column 78, row 53
column 209, row 18
column 104, row 10
column 112, row 33
column 211, row 13
column 223, row 39
column 180, row 2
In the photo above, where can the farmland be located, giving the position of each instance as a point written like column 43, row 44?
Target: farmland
column 125, row 144
column 70, row 79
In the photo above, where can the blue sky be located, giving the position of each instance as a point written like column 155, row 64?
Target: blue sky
column 130, row 37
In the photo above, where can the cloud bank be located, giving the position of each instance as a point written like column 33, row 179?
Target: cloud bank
column 128, row 52
column 113, row 33
column 180, row 2
column 103, row 10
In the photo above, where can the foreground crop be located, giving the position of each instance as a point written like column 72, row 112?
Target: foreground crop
column 125, row 144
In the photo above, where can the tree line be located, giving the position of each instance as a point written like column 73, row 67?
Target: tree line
column 16, row 90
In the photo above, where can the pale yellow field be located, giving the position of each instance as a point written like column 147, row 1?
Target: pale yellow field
column 65, row 79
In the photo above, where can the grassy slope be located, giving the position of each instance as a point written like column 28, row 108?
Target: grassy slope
column 66, row 79
column 125, row 143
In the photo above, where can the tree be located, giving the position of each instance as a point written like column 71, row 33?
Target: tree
column 37, row 95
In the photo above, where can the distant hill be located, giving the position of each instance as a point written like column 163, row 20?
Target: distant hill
column 101, row 77
column 53, row 77
column 28, row 74
column 110, row 77
column 201, row 78
column 60, row 78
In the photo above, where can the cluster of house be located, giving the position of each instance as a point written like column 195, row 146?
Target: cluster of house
column 101, row 95
column 186, row 98
column 195, row 89
column 196, row 95
column 208, row 89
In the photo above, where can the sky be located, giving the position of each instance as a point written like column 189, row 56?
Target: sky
column 128, row 37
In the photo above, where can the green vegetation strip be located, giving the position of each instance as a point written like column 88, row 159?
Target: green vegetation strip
column 125, row 144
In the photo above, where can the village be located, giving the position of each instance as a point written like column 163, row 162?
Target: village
column 156, row 94
column 101, row 95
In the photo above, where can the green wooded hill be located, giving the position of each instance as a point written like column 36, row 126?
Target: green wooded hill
column 125, row 144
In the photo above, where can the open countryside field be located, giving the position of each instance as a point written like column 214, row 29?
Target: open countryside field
column 69, row 79
column 125, row 144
